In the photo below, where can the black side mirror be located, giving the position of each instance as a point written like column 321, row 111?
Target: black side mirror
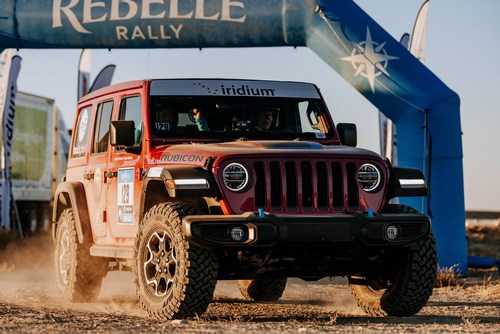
column 347, row 134
column 122, row 133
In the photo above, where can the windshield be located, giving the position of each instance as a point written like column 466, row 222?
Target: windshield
column 236, row 117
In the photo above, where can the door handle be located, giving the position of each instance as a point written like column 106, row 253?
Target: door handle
column 110, row 174
column 88, row 176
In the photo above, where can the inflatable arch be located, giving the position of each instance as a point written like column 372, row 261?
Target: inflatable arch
column 424, row 109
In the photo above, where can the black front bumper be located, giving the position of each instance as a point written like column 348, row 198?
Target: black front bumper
column 265, row 230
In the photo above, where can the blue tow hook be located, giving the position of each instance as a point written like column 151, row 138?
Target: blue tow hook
column 369, row 212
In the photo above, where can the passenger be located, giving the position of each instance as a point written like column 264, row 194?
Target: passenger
column 138, row 134
column 263, row 120
column 200, row 120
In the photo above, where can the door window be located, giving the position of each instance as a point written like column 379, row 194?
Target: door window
column 101, row 135
column 130, row 109
column 82, row 131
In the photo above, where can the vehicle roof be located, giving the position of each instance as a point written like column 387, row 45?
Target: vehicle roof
column 115, row 88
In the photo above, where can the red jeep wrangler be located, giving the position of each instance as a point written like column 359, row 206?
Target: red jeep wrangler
column 186, row 182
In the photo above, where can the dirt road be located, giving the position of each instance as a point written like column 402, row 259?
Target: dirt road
column 29, row 304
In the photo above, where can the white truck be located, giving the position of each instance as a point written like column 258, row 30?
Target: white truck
column 39, row 156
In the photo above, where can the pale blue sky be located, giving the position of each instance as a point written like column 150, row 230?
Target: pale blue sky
column 463, row 50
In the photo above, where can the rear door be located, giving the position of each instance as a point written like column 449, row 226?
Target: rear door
column 96, row 187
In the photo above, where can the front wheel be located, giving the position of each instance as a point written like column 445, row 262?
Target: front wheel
column 173, row 278
column 404, row 284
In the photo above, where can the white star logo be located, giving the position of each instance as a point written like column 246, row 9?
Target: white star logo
column 369, row 59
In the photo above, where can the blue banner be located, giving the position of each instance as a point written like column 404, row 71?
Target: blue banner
column 154, row 23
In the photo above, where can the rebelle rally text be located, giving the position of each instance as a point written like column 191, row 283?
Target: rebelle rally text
column 122, row 10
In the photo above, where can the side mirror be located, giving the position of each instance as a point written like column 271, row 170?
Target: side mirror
column 347, row 134
column 122, row 133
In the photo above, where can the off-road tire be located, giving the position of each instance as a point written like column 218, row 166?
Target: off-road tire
column 78, row 274
column 412, row 282
column 262, row 290
column 185, row 285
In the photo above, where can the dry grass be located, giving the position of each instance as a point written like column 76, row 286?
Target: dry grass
column 447, row 277
column 482, row 241
column 484, row 278
column 469, row 321
column 487, row 288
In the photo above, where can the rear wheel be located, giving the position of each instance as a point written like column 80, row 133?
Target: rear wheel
column 268, row 290
column 173, row 278
column 78, row 274
column 405, row 284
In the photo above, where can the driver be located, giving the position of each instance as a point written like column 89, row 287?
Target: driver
column 263, row 120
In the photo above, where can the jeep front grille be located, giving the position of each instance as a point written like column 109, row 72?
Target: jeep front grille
column 305, row 186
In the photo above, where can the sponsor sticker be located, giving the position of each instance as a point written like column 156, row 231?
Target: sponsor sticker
column 320, row 135
column 125, row 195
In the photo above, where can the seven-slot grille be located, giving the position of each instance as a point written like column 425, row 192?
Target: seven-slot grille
column 305, row 185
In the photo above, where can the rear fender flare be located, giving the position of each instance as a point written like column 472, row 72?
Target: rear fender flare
column 72, row 195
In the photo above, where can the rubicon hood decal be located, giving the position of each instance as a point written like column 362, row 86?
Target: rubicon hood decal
column 182, row 157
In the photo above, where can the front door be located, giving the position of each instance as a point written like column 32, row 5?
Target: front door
column 125, row 171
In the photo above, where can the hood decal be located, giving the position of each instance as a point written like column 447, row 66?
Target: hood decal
column 182, row 158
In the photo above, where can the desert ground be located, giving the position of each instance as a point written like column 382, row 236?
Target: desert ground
column 29, row 302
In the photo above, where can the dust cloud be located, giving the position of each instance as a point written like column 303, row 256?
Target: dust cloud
column 27, row 277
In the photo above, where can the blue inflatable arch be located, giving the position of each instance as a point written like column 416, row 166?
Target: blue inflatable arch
column 425, row 110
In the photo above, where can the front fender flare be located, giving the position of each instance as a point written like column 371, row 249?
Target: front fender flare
column 406, row 182
column 191, row 177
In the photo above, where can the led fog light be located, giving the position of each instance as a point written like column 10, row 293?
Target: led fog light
column 237, row 233
column 391, row 232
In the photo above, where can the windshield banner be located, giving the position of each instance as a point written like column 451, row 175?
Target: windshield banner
column 238, row 88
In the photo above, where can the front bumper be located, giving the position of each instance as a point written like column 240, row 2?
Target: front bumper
column 265, row 230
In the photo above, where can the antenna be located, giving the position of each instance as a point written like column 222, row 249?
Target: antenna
column 147, row 65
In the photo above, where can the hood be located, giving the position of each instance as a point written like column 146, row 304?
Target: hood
column 198, row 153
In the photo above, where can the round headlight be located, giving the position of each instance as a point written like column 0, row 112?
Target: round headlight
column 235, row 176
column 368, row 177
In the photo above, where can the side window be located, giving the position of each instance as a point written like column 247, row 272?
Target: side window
column 310, row 118
column 82, row 132
column 130, row 109
column 303, row 109
column 101, row 135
